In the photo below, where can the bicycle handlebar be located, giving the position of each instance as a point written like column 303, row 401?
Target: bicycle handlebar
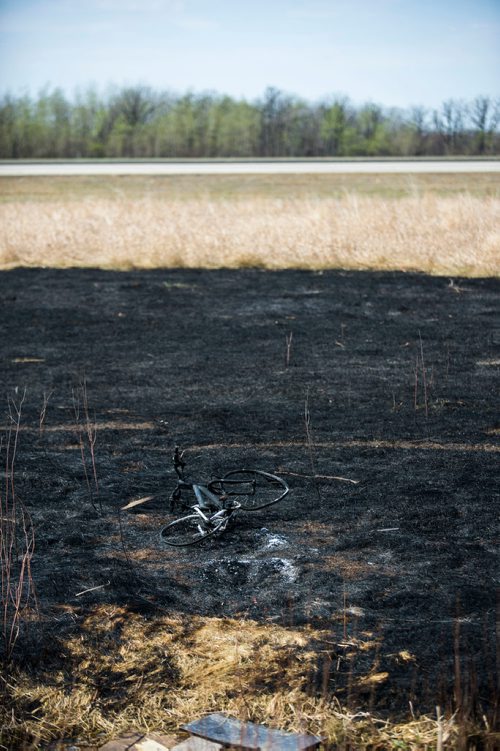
column 179, row 463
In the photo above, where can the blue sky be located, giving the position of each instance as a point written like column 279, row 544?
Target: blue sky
column 394, row 52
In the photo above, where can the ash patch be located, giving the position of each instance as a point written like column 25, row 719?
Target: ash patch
column 271, row 540
column 266, row 572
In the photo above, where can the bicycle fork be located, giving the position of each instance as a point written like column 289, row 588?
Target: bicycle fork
column 209, row 521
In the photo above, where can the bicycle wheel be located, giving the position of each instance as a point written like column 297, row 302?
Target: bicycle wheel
column 254, row 488
column 190, row 530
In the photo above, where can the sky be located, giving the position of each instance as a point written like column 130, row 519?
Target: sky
column 398, row 53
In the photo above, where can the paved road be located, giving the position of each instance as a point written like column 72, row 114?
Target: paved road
column 21, row 169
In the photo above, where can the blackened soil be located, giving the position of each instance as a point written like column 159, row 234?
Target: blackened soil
column 384, row 379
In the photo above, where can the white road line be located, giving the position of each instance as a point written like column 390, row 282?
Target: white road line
column 25, row 169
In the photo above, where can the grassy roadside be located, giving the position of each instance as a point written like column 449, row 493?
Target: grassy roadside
column 432, row 223
column 443, row 235
column 224, row 187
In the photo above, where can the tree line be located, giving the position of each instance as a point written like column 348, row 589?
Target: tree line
column 134, row 122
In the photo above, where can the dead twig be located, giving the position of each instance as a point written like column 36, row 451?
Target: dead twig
column 137, row 502
column 92, row 589
column 43, row 411
column 17, row 540
column 309, row 441
column 86, row 428
column 318, row 477
column 91, row 432
column 288, row 348
column 424, row 375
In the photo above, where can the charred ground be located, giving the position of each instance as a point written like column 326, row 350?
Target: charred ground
column 386, row 379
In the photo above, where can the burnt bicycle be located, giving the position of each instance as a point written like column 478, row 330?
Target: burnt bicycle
column 214, row 503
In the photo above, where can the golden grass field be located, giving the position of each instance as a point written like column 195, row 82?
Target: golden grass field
column 163, row 673
column 437, row 224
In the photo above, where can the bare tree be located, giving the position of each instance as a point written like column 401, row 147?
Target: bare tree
column 449, row 121
column 485, row 116
column 419, row 126
column 135, row 104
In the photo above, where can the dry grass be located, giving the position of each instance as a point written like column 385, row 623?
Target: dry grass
column 456, row 235
column 223, row 187
column 436, row 223
column 121, row 670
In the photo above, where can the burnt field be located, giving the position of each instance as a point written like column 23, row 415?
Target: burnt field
column 384, row 380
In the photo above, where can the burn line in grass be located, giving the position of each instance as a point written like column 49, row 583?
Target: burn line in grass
column 405, row 445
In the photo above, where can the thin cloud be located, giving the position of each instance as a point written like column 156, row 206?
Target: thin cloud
column 194, row 23
column 330, row 11
column 306, row 14
column 137, row 6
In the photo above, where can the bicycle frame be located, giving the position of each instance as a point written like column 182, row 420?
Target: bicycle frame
column 212, row 495
column 215, row 503
column 205, row 498
column 221, row 514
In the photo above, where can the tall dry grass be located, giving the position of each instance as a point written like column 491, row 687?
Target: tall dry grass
column 17, row 541
column 456, row 234
column 123, row 671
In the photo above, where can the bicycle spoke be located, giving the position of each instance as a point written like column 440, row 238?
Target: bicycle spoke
column 190, row 530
